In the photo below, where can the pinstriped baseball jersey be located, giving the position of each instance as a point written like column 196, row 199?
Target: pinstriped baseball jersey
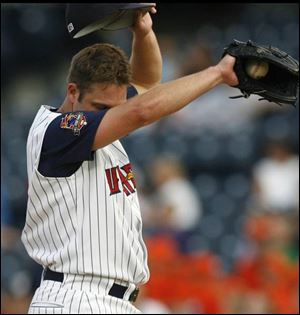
column 88, row 223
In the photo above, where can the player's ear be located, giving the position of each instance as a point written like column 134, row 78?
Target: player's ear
column 72, row 93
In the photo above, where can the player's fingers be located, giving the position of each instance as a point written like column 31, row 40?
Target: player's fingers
column 153, row 10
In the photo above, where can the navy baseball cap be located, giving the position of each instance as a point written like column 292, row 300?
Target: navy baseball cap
column 84, row 18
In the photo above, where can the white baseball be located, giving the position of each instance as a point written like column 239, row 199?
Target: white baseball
column 257, row 69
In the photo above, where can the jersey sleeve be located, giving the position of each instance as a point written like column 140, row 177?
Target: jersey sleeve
column 65, row 147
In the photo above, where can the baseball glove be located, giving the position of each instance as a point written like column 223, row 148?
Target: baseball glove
column 266, row 71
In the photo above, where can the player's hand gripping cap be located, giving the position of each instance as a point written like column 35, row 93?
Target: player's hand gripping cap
column 266, row 71
column 84, row 18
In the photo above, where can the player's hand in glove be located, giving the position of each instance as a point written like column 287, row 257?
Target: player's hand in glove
column 265, row 71
column 225, row 67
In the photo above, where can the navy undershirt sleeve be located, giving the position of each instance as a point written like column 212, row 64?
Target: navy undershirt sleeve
column 131, row 91
column 63, row 151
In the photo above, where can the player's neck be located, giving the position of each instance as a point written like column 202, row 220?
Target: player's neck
column 65, row 107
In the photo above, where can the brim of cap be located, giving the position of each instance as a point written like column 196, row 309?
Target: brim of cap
column 125, row 19
column 122, row 19
column 97, row 25
column 138, row 5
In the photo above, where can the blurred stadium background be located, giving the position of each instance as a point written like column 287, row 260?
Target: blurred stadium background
column 241, row 253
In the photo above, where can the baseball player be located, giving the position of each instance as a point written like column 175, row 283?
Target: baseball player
column 83, row 221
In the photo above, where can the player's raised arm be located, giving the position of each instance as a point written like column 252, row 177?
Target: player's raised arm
column 161, row 101
column 146, row 59
column 100, row 74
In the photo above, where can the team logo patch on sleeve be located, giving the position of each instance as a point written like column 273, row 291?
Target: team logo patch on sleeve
column 74, row 122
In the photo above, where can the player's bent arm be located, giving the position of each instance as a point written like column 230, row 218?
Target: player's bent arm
column 161, row 101
column 146, row 61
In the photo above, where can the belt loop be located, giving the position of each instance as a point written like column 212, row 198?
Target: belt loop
column 129, row 291
column 43, row 274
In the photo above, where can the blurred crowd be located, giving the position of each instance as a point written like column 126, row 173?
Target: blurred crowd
column 218, row 181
